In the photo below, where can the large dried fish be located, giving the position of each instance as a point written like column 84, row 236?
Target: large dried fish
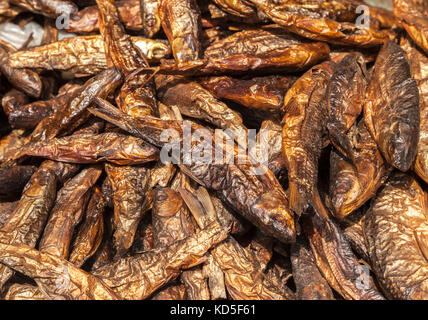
column 57, row 278
column 419, row 69
column 81, row 55
column 194, row 101
column 304, row 126
column 92, row 148
column 391, row 108
column 310, row 285
column 396, row 233
column 24, row 79
column 182, row 25
column 90, row 233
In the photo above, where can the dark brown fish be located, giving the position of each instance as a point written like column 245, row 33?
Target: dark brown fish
column 260, row 198
column 194, row 101
column 261, row 93
column 243, row 274
column 90, row 233
column 25, row 80
column 27, row 221
column 336, row 260
column 81, row 55
column 68, row 116
column 345, row 95
column 67, row 213
column 57, row 278
column 13, row 180
column 92, row 148
column 391, row 107
column 352, row 183
column 129, row 187
column 310, row 284
column 419, row 69
column 86, row 20
column 137, row 96
column 304, row 126
column 28, row 116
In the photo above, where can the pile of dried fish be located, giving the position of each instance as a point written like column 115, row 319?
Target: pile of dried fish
column 213, row 149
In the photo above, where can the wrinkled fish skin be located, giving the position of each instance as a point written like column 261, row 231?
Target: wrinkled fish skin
column 261, row 93
column 304, row 126
column 312, row 25
column 27, row 221
column 345, row 96
column 419, row 69
column 90, row 233
column 65, row 118
column 181, row 23
column 391, row 108
column 67, row 213
column 137, row 277
column 137, row 96
column 81, row 55
column 336, row 260
column 24, row 79
column 260, row 198
column 196, row 102
column 396, row 233
column 92, row 148
column 86, row 20
column 56, row 277
column 353, row 182
column 413, row 14
column 310, row 285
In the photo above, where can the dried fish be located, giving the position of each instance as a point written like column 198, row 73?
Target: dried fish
column 396, row 231
column 81, row 55
column 391, row 108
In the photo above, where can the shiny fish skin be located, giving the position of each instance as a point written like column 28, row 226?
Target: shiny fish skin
column 260, row 199
column 92, row 148
column 321, row 28
column 396, row 232
column 413, row 15
column 90, row 233
column 67, row 213
column 391, row 107
column 345, row 95
column 81, row 55
column 155, row 268
column 304, row 126
column 419, row 70
column 26, row 222
column 182, row 25
column 57, row 278
column 353, row 182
